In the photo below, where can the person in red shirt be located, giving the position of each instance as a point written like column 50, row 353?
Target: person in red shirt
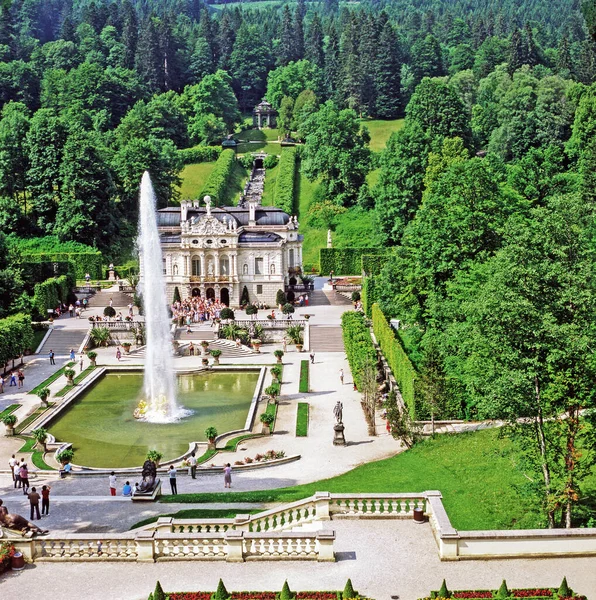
column 45, row 500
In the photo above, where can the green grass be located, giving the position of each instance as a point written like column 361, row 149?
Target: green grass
column 314, row 238
column 264, row 146
column 232, row 445
column 76, row 380
column 268, row 198
column 272, row 410
column 236, row 185
column 373, row 178
column 199, row 513
column 37, row 337
column 38, row 461
column 193, row 177
column 258, row 135
column 380, row 131
column 29, row 445
column 51, row 379
column 32, row 417
column 303, row 385
column 302, row 419
column 478, row 474
column 8, row 410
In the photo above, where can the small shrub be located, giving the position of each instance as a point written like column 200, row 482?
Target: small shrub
column 349, row 592
column 9, row 420
column 280, row 298
column 158, row 593
column 267, row 418
column 287, row 309
column 251, row 310
column 248, row 460
column 65, row 456
column 221, row 593
column 154, row 455
column 109, row 311
column 503, row 591
column 355, row 296
column 215, row 353
column 564, row 590
column 445, row 593
column 286, row 593
column 69, row 373
column 210, row 433
column 226, row 313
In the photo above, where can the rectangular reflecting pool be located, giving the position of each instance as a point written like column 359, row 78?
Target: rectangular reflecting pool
column 104, row 433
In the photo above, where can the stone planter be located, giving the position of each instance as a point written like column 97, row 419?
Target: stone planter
column 299, row 347
column 257, row 347
column 205, row 361
column 126, row 348
column 266, row 429
column 216, row 361
column 9, row 430
column 211, row 444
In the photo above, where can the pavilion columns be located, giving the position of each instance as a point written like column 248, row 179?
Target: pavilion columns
column 203, row 270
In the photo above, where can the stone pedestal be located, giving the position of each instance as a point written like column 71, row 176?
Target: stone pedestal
column 111, row 275
column 338, row 435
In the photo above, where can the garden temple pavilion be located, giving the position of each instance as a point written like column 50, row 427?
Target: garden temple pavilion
column 214, row 252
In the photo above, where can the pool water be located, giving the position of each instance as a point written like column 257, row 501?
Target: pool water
column 104, row 433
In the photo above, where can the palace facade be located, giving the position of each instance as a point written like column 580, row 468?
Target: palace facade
column 215, row 252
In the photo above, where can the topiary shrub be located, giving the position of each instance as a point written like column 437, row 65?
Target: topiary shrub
column 226, row 313
column 355, row 296
column 444, row 592
column 177, row 295
column 286, row 593
column 244, row 298
column 108, row 311
column 158, row 593
column 287, row 309
column 221, row 593
column 349, row 591
column 251, row 310
column 503, row 591
column 280, row 298
column 564, row 590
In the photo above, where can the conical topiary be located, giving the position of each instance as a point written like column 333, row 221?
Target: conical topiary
column 349, row 591
column 503, row 591
column 286, row 593
column 444, row 592
column 221, row 592
column 564, row 590
column 158, row 593
column 150, row 596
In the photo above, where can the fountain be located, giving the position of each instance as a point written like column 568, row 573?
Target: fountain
column 159, row 402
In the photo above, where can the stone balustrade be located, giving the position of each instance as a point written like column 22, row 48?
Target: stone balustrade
column 362, row 506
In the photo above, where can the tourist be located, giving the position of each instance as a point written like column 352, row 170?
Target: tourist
column 188, row 329
column 11, row 464
column 312, row 357
column 2, row 382
column 21, row 377
column 85, row 303
column 130, row 310
column 227, row 476
column 118, row 354
column 111, row 302
column 127, row 489
column 71, row 309
column 34, row 502
column 51, row 355
column 24, row 474
column 193, row 465
column 66, row 470
column 87, row 278
column 285, row 344
column 172, row 474
column 45, row 500
column 191, row 349
column 81, row 362
column 13, row 379
column 341, row 376
column 72, row 354
column 17, row 475
column 305, row 299
column 112, row 482
column 3, row 509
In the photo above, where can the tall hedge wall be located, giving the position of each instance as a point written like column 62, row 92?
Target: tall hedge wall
column 219, row 179
column 402, row 367
column 16, row 336
column 35, row 272
column 344, row 261
column 51, row 292
column 358, row 343
column 286, row 181
column 199, row 154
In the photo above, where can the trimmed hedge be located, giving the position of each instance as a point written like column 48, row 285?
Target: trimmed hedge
column 368, row 295
column 34, row 271
column 16, row 336
column 285, row 184
column 51, row 292
column 372, row 264
column 345, row 261
column 199, row 154
column 219, row 179
column 358, row 343
column 402, row 367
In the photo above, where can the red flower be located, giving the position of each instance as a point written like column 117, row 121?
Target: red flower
column 478, row 594
column 531, row 592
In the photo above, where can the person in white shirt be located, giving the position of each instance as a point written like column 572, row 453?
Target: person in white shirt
column 11, row 463
column 112, row 480
column 193, row 465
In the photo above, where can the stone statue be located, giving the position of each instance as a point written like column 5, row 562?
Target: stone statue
column 329, row 242
column 18, row 523
column 207, row 200
column 338, row 412
column 149, row 474
column 210, row 268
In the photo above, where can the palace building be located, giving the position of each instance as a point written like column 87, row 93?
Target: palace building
column 215, row 252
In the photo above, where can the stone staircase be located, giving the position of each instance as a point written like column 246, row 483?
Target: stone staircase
column 227, row 347
column 324, row 338
column 198, row 333
column 102, row 299
column 61, row 341
column 327, row 298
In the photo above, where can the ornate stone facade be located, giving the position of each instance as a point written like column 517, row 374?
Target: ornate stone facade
column 215, row 252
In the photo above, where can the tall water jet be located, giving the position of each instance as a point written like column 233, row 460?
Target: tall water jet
column 159, row 402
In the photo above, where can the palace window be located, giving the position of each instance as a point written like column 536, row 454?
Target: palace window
column 258, row 266
column 291, row 258
column 259, row 289
column 196, row 266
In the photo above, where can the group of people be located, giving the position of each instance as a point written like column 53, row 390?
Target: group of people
column 20, row 477
column 15, row 378
column 73, row 310
column 196, row 310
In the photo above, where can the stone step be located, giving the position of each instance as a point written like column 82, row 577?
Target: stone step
column 197, row 333
column 326, row 339
column 101, row 299
column 62, row 341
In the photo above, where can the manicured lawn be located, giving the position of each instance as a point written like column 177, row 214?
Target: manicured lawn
column 302, row 420
column 268, row 198
column 258, row 135
column 478, row 474
column 236, row 185
column 303, row 384
column 264, row 146
column 51, row 378
column 193, row 178
column 76, row 380
column 380, row 131
column 314, row 238
column 37, row 337
column 8, row 410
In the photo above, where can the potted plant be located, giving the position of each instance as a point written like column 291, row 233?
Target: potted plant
column 154, row 456
column 126, row 346
column 256, row 344
column 273, row 391
column 276, row 371
column 226, row 314
column 295, row 334
column 204, row 345
column 65, row 456
column 287, row 309
column 251, row 310
column 355, row 297
column 43, row 395
column 211, row 434
column 9, row 421
column 92, row 356
column 216, row 354
column 109, row 312
column 41, row 435
column 70, row 373
column 267, row 420
column 7, row 552
column 278, row 354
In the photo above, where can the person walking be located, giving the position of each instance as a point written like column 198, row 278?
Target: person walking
column 341, row 376
column 17, row 475
column 52, row 361
column 45, row 500
column 21, row 377
column 193, row 465
column 112, row 482
column 12, row 461
column 34, row 502
column 312, row 357
column 24, row 474
column 285, row 344
column 173, row 485
column 72, row 354
column 2, row 382
column 13, row 379
column 227, row 476
column 118, row 354
column 81, row 362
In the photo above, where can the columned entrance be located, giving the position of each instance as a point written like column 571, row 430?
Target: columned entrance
column 210, row 293
column 196, row 293
column 225, row 296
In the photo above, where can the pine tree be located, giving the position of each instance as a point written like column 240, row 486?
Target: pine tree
column 168, row 48
column 285, row 50
column 428, row 58
column 516, row 52
column 201, row 61
column 227, row 36
column 148, row 59
column 331, row 7
column 333, row 64
column 586, row 65
column 368, row 51
column 130, row 33
column 387, row 75
column 298, row 50
column 352, row 72
column 7, row 36
column 564, row 64
column 301, row 8
column 587, row 171
column 314, row 42
column 532, row 54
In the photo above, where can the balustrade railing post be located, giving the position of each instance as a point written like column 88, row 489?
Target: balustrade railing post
column 242, row 522
column 26, row 547
column 234, row 546
column 325, row 541
column 322, row 500
column 145, row 546
column 164, row 524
